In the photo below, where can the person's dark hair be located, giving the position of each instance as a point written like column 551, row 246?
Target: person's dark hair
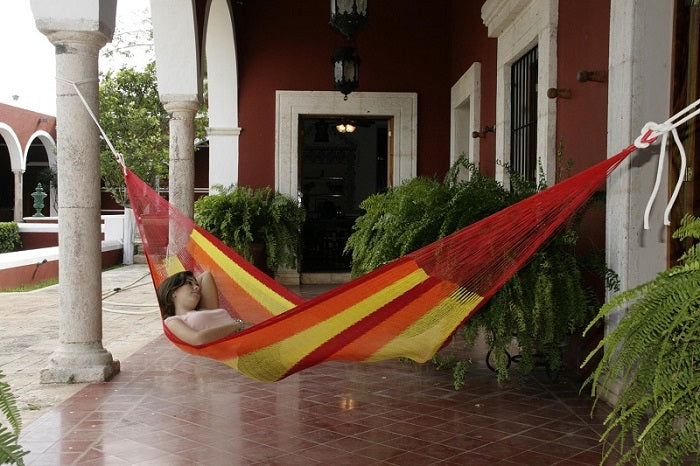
column 165, row 291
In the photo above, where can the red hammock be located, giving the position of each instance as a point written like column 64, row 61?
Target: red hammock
column 408, row 308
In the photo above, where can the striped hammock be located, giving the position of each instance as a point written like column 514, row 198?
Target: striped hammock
column 408, row 308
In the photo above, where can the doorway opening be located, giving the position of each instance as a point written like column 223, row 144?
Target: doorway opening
column 338, row 170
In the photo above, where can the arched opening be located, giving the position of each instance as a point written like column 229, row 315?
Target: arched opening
column 11, row 168
column 7, row 183
column 38, row 171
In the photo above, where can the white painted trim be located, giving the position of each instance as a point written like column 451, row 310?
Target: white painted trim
column 519, row 28
column 18, row 160
column 401, row 106
column 223, row 131
column 465, row 115
column 497, row 15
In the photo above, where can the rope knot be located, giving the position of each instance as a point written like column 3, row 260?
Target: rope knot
column 650, row 133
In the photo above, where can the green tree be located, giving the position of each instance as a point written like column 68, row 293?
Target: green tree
column 136, row 123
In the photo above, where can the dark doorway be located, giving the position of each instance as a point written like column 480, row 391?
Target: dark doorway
column 37, row 171
column 7, row 184
column 338, row 170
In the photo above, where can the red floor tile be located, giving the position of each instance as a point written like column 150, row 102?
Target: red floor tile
column 170, row 408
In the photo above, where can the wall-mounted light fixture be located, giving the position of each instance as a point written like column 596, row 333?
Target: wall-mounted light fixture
column 349, row 16
column 346, row 70
column 484, row 130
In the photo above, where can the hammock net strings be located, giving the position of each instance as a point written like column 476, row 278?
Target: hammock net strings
column 407, row 308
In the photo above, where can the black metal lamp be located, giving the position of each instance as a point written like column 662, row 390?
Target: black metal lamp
column 346, row 70
column 349, row 16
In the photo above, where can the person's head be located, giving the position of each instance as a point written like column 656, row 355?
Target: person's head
column 168, row 292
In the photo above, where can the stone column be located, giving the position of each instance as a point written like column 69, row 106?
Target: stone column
column 19, row 204
column 181, row 170
column 80, row 356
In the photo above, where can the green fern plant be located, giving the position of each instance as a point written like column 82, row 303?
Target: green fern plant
column 241, row 216
column 542, row 304
column 10, row 450
column 654, row 353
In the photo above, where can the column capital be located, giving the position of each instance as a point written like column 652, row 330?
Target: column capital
column 90, row 39
column 185, row 104
column 93, row 22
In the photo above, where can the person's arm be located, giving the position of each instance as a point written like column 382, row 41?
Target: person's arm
column 200, row 337
column 209, row 295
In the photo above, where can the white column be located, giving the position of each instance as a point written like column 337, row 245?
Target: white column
column 223, row 156
column 638, row 90
column 19, row 204
column 80, row 356
column 181, row 170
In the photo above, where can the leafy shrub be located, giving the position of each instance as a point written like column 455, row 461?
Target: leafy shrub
column 9, row 237
column 241, row 216
column 654, row 353
column 541, row 304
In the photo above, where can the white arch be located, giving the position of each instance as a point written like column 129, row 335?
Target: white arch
column 49, row 144
column 17, row 159
column 222, row 90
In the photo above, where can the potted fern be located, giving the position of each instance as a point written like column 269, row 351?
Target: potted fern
column 654, row 356
column 10, row 450
column 542, row 304
column 260, row 224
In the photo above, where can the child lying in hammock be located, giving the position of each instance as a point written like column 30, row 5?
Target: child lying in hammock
column 190, row 307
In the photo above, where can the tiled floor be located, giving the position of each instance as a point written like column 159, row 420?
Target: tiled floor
column 170, row 408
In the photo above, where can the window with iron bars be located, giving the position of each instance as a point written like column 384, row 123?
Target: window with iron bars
column 523, row 115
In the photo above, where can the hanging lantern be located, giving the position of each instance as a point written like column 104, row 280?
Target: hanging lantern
column 349, row 16
column 346, row 70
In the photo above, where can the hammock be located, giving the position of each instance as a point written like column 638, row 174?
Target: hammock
column 407, row 308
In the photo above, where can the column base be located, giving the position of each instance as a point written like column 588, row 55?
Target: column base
column 80, row 363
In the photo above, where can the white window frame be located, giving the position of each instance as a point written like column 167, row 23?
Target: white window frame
column 519, row 25
column 465, row 115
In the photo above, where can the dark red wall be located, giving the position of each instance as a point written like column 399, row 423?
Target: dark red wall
column 584, row 28
column 409, row 46
column 287, row 45
column 469, row 43
column 583, row 45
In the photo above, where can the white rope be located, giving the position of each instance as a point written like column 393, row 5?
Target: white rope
column 119, row 157
column 649, row 134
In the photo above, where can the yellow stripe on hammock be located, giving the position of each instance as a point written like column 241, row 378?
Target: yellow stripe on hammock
column 172, row 265
column 423, row 339
column 272, row 362
column 270, row 300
